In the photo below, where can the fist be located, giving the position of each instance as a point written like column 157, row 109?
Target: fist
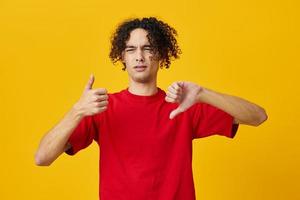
column 185, row 94
column 92, row 101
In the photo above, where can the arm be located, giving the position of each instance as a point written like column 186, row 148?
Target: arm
column 55, row 142
column 187, row 94
column 242, row 110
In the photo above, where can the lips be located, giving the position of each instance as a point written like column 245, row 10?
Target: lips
column 140, row 68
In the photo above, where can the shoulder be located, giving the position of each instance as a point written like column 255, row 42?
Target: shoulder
column 116, row 95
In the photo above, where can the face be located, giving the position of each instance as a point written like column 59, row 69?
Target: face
column 140, row 61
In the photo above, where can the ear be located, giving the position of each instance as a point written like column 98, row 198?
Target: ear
column 122, row 56
column 123, row 59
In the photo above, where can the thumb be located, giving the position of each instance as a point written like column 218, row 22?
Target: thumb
column 89, row 84
column 175, row 112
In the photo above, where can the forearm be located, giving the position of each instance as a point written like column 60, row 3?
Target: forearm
column 242, row 110
column 54, row 142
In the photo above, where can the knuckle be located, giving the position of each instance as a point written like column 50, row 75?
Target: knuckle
column 92, row 91
column 102, row 90
column 103, row 108
column 94, row 98
column 104, row 97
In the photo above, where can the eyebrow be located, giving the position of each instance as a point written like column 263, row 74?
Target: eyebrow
column 131, row 46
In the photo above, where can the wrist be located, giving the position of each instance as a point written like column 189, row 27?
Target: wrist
column 201, row 95
column 76, row 113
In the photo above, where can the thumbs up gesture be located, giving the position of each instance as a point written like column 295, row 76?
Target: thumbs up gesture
column 185, row 94
column 92, row 101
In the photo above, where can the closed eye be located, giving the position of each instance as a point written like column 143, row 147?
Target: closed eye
column 148, row 49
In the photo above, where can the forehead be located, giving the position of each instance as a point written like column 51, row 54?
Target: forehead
column 138, row 37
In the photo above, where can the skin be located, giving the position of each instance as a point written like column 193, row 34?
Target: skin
column 55, row 141
column 139, row 52
column 143, row 82
column 187, row 94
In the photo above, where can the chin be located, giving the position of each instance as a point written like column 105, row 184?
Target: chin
column 145, row 79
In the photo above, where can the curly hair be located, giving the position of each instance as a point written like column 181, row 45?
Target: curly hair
column 161, row 37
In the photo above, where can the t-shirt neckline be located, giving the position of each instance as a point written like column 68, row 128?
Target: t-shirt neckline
column 143, row 98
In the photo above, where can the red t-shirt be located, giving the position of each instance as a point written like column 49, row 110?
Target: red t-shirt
column 144, row 155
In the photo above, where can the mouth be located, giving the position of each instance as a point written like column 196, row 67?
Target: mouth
column 140, row 68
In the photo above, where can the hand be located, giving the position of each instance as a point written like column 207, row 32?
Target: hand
column 92, row 101
column 185, row 93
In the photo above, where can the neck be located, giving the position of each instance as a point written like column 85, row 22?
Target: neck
column 143, row 89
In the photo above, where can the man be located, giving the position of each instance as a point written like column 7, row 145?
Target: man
column 144, row 134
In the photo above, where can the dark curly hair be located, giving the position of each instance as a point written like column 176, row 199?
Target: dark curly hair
column 161, row 37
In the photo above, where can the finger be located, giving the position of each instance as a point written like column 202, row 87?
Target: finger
column 90, row 83
column 101, row 104
column 100, row 91
column 101, row 97
column 171, row 95
column 173, row 90
column 176, row 98
column 175, row 112
column 171, row 100
column 97, row 98
column 180, row 84
column 99, row 109
column 177, row 86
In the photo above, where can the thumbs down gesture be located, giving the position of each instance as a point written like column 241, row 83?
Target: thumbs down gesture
column 185, row 94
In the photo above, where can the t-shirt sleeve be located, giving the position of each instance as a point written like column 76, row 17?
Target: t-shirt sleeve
column 209, row 120
column 83, row 135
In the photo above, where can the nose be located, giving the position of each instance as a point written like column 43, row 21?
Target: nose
column 139, row 56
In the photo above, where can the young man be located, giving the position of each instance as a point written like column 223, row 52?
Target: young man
column 144, row 134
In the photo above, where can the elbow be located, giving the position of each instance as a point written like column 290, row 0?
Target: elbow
column 261, row 118
column 40, row 160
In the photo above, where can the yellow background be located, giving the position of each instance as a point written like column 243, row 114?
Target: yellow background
column 245, row 48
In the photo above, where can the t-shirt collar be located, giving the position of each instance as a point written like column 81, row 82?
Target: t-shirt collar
column 159, row 94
